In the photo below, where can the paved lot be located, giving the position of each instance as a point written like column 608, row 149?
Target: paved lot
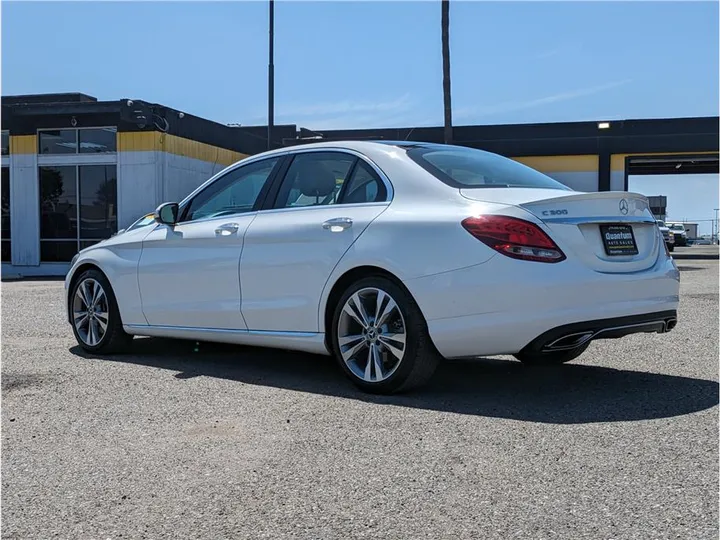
column 241, row 443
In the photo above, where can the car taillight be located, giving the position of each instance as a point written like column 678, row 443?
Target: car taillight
column 514, row 238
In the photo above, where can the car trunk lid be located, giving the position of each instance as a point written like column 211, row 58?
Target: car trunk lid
column 611, row 232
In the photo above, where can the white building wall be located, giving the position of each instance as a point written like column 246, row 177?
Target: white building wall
column 146, row 179
column 139, row 185
column 617, row 181
column 24, row 210
column 181, row 175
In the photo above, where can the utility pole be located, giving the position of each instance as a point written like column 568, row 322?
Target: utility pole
column 447, row 106
column 271, row 74
column 716, row 227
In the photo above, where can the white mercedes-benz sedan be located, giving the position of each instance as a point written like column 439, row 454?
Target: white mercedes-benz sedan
column 388, row 256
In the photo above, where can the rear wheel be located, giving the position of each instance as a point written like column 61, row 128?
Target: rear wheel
column 94, row 315
column 380, row 338
column 534, row 358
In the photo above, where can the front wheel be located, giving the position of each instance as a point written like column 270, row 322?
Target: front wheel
column 94, row 314
column 380, row 338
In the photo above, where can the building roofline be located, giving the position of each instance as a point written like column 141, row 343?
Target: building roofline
column 628, row 136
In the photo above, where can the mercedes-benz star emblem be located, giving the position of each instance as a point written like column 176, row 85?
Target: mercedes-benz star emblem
column 623, row 206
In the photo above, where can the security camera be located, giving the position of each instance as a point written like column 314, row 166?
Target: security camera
column 181, row 115
column 129, row 102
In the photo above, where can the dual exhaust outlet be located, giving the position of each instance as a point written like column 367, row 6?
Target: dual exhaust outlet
column 578, row 339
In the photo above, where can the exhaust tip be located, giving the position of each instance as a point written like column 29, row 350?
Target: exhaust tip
column 568, row 342
column 670, row 324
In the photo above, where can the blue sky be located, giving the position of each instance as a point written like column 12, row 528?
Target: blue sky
column 374, row 64
column 378, row 64
column 691, row 197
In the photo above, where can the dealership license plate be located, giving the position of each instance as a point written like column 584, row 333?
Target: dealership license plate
column 618, row 239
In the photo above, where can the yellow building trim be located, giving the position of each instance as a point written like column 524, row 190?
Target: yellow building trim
column 138, row 141
column 148, row 141
column 23, row 144
column 201, row 151
column 617, row 161
column 546, row 164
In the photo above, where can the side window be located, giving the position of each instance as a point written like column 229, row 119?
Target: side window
column 314, row 179
column 363, row 186
column 234, row 193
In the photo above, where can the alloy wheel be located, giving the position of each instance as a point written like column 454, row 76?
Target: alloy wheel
column 371, row 334
column 90, row 312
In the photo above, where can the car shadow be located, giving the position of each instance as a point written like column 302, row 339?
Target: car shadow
column 567, row 394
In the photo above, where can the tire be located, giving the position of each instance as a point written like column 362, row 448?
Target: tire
column 113, row 339
column 412, row 367
column 533, row 358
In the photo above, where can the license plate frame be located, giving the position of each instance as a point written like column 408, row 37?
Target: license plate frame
column 616, row 241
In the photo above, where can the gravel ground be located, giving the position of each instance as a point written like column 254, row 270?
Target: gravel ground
column 232, row 442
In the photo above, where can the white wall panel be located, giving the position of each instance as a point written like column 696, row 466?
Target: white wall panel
column 24, row 210
column 138, row 185
column 617, row 181
column 149, row 178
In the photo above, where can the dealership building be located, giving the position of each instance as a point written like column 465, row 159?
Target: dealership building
column 75, row 170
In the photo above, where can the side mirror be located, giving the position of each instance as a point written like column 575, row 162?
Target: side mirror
column 167, row 213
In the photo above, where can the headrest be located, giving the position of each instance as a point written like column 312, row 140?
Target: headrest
column 315, row 180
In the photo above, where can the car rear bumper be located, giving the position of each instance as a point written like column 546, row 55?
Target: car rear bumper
column 502, row 307
column 571, row 336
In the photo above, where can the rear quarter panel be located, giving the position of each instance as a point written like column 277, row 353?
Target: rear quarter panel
column 417, row 241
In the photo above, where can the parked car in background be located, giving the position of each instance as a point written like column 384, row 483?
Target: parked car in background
column 387, row 255
column 668, row 236
column 679, row 233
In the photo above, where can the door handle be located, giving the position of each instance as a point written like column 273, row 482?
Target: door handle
column 338, row 224
column 227, row 229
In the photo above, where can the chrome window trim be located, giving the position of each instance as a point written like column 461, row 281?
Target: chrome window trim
column 390, row 192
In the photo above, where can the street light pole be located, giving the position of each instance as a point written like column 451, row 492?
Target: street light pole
column 716, row 227
column 271, row 74
column 445, row 35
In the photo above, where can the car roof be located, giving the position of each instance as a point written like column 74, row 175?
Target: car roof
column 356, row 145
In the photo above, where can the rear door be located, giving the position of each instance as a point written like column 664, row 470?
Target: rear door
column 324, row 203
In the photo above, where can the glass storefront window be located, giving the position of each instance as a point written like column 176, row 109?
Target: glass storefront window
column 5, row 143
column 93, row 141
column 77, row 141
column 57, row 141
column 5, row 225
column 78, row 207
column 58, row 202
column 98, row 201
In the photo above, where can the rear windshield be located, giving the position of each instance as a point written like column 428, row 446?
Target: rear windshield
column 470, row 168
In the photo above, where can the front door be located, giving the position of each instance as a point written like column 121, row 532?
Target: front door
column 189, row 274
column 324, row 203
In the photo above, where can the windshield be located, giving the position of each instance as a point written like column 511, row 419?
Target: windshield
column 470, row 168
column 677, row 228
column 660, row 223
column 142, row 222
